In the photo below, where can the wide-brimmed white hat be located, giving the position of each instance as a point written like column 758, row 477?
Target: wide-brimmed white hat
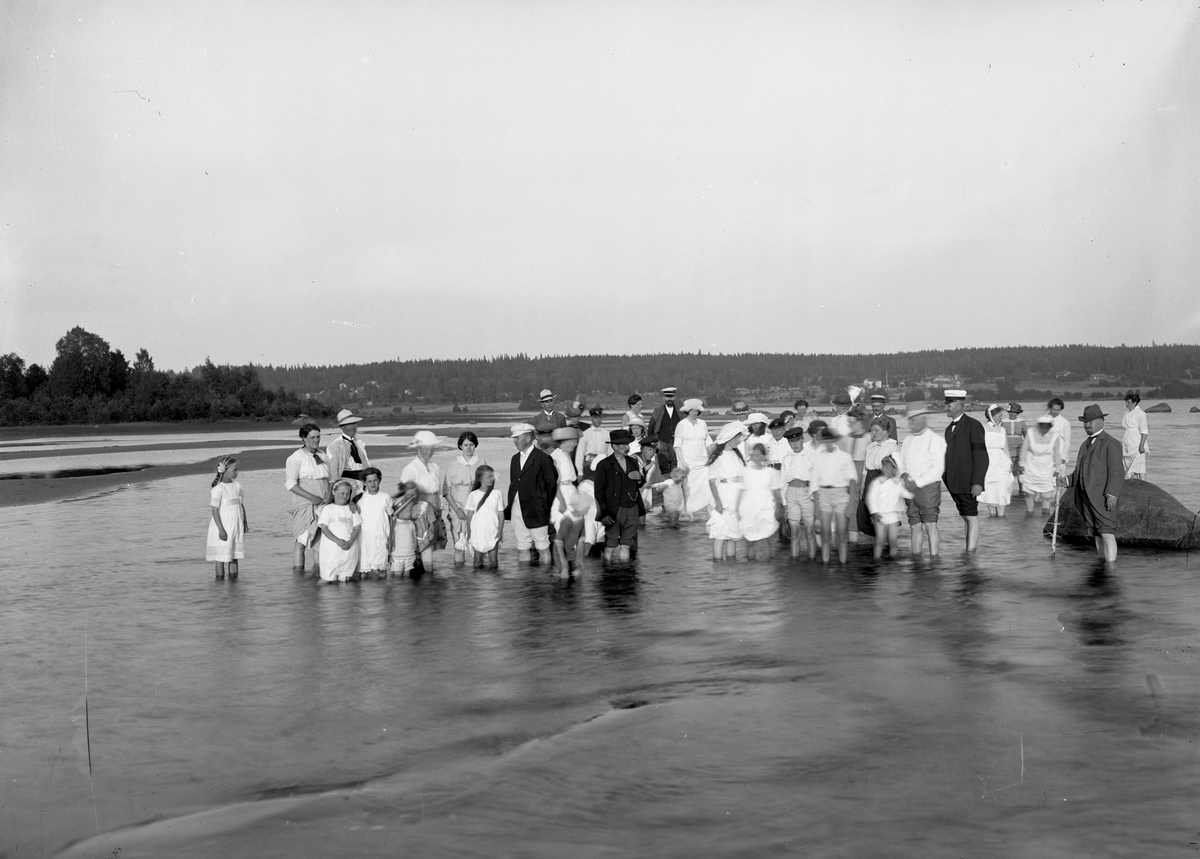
column 693, row 405
column 424, row 438
column 757, row 418
column 546, row 394
column 731, row 430
column 913, row 410
column 345, row 416
column 1046, row 419
column 521, row 429
column 639, row 421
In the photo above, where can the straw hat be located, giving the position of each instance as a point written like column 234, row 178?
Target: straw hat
column 521, row 429
column 424, row 438
column 913, row 410
column 756, row 418
column 693, row 405
column 345, row 416
column 731, row 430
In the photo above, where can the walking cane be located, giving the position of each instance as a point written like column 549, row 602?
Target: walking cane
column 1054, row 533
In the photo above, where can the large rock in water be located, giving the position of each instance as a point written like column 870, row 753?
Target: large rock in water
column 1194, row 409
column 1156, row 409
column 1146, row 516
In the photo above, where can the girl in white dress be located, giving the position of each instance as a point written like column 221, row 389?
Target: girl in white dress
column 885, row 501
column 725, row 468
column 758, row 507
column 997, row 484
column 340, row 529
column 457, row 478
column 1042, row 462
column 375, row 508
column 691, row 452
column 228, row 524
column 485, row 518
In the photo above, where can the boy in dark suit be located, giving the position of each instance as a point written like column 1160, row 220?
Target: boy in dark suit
column 619, row 505
column 966, row 463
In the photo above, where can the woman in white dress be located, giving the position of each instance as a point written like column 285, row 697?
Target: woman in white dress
column 456, row 486
column 306, row 478
column 427, row 475
column 1134, row 443
column 566, row 440
column 1041, row 462
column 997, row 485
column 691, row 452
column 760, row 502
column 725, row 468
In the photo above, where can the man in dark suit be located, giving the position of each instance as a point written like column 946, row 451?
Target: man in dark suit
column 662, row 426
column 532, row 486
column 966, row 463
column 619, row 506
column 1098, row 478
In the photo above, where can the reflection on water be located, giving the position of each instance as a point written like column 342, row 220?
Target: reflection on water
column 1000, row 705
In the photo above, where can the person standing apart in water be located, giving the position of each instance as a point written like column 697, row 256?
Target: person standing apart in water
column 1136, row 438
column 1097, row 481
column 662, row 427
column 225, row 532
column 966, row 463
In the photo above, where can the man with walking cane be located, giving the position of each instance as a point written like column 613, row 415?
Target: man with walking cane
column 1097, row 481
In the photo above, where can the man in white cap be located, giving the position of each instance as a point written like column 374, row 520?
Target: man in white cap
column 662, row 427
column 966, row 463
column 532, row 487
column 922, row 462
column 547, row 420
column 878, row 401
column 347, row 455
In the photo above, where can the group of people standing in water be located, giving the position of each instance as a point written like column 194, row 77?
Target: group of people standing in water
column 577, row 488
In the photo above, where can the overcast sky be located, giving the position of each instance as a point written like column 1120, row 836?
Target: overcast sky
column 328, row 182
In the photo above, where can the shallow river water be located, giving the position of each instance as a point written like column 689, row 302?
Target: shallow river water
column 1006, row 704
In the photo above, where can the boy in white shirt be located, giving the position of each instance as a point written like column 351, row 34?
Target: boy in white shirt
column 833, row 479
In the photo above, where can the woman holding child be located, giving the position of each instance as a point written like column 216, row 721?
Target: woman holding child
column 456, row 486
column 427, row 476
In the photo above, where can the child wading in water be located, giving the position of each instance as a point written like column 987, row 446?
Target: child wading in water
column 228, row 525
column 340, row 529
column 570, row 538
column 834, row 479
column 375, row 507
column 412, row 532
column 485, row 518
column 885, row 500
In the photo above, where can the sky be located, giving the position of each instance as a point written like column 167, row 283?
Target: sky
column 320, row 182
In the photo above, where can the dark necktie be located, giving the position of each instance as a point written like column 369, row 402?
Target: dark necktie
column 355, row 456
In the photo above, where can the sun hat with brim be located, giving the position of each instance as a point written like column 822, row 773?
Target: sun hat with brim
column 913, row 410
column 841, row 400
column 1046, row 419
column 564, row 433
column 794, row 432
column 731, row 430
column 620, row 436
column 521, row 429
column 756, row 418
column 739, row 408
column 345, row 416
column 994, row 407
column 1092, row 413
column 954, row 394
column 546, row 394
column 424, row 438
column 693, row 405
column 1015, row 408
column 637, row 421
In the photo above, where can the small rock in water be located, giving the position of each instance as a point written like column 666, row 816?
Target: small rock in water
column 1146, row 516
column 1161, row 407
column 1194, row 409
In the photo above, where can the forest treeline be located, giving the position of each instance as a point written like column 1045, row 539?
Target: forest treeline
column 1172, row 371
column 90, row 383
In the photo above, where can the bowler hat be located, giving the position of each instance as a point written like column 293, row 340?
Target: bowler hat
column 620, row 436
